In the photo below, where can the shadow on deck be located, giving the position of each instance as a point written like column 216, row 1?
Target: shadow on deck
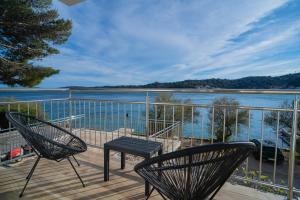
column 53, row 180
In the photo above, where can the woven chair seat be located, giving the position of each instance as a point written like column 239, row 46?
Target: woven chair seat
column 47, row 140
column 50, row 141
column 194, row 173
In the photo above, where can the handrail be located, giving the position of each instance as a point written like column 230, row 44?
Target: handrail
column 108, row 101
column 224, row 105
column 174, row 125
column 31, row 101
column 184, row 104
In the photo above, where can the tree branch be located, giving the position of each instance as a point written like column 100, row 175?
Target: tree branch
column 9, row 61
column 11, row 47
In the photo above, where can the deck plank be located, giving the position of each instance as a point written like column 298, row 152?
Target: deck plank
column 53, row 180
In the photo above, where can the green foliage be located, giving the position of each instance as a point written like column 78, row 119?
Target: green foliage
column 252, row 82
column 29, row 31
column 32, row 109
column 285, row 118
column 285, row 121
column 225, row 106
column 167, row 111
column 260, row 82
column 254, row 175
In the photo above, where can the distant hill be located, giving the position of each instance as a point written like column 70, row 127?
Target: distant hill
column 289, row 81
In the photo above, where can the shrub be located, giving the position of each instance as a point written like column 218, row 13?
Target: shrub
column 11, row 105
column 285, row 121
column 225, row 106
column 169, row 98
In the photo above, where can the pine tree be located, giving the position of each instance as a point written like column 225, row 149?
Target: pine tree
column 29, row 31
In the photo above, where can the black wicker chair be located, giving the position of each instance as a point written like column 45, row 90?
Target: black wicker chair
column 194, row 173
column 47, row 140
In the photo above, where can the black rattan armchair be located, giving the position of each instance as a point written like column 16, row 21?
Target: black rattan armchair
column 47, row 140
column 194, row 173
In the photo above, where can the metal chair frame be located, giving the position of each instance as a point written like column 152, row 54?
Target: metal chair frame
column 47, row 140
column 196, row 172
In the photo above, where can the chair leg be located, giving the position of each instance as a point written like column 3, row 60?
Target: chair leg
column 153, row 188
column 76, row 172
column 32, row 169
column 161, row 195
column 150, row 193
column 215, row 192
column 30, row 175
column 76, row 161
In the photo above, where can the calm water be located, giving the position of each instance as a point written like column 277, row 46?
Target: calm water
column 194, row 130
column 245, row 99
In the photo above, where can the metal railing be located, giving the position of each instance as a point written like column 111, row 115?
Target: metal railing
column 104, row 120
column 12, row 145
column 180, row 125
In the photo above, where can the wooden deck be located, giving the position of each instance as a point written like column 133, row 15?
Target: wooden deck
column 53, row 180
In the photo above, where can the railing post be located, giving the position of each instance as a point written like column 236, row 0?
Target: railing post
column 292, row 151
column 147, row 115
column 70, row 109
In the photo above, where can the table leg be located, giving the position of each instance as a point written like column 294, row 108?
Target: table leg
column 106, row 164
column 147, row 188
column 122, row 160
column 160, row 151
column 159, row 163
column 147, row 185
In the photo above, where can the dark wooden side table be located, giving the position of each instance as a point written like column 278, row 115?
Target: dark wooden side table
column 134, row 146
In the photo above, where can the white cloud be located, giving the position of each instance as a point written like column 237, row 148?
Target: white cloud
column 136, row 42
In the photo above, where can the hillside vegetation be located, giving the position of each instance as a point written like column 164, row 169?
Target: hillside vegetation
column 289, row 81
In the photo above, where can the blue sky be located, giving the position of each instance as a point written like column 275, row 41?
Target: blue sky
column 138, row 42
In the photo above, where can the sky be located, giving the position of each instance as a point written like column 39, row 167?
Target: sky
column 139, row 42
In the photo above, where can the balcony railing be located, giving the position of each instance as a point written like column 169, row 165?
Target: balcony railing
column 98, row 120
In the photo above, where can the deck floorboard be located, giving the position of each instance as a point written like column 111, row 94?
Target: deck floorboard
column 53, row 180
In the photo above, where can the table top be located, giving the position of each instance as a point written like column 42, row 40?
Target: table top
column 135, row 146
